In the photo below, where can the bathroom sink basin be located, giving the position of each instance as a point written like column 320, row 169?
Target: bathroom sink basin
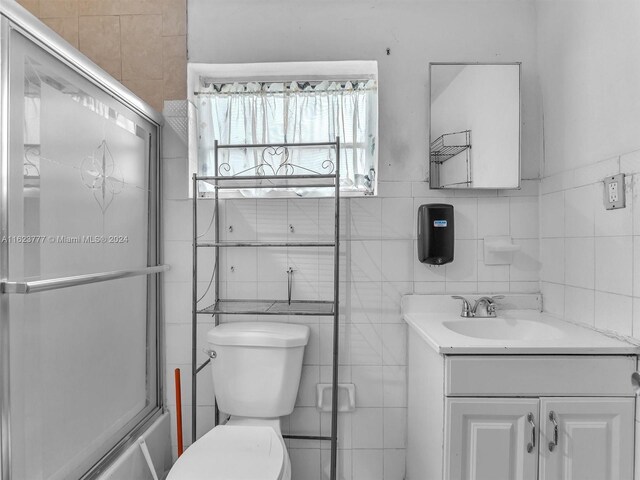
column 436, row 320
column 503, row 329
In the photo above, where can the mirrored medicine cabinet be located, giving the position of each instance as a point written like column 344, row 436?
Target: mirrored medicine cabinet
column 474, row 133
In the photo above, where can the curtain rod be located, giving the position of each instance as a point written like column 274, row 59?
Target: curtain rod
column 288, row 92
column 302, row 83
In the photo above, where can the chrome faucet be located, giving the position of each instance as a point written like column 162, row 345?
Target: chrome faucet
column 484, row 307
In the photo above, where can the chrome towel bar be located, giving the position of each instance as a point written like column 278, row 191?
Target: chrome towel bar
column 64, row 282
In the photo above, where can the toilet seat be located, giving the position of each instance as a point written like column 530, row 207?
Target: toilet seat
column 233, row 453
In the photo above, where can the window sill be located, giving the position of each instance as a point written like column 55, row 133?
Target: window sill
column 281, row 193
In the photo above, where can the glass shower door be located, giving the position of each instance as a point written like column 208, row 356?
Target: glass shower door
column 81, row 200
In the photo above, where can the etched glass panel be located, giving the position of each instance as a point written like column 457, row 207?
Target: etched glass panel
column 83, row 370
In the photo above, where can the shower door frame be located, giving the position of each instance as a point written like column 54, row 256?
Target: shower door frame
column 15, row 17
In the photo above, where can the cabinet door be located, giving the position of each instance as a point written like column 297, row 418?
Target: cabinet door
column 595, row 438
column 491, row 439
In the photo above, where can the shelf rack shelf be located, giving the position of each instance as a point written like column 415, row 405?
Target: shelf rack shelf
column 264, row 244
column 270, row 307
column 449, row 145
column 270, row 174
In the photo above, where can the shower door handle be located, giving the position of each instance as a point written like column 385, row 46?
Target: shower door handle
column 65, row 282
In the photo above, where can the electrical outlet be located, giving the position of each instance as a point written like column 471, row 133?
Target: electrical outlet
column 614, row 192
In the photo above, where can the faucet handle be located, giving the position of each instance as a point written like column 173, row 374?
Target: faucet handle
column 460, row 297
column 489, row 304
column 466, row 306
column 492, row 306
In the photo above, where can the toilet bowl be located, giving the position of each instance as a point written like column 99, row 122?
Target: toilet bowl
column 256, row 374
column 246, row 451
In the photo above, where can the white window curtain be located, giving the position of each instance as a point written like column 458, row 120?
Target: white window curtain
column 268, row 113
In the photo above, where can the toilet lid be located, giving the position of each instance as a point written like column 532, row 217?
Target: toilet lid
column 232, row 453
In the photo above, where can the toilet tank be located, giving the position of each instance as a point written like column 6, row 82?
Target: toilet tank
column 256, row 369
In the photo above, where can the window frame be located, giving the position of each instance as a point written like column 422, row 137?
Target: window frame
column 275, row 72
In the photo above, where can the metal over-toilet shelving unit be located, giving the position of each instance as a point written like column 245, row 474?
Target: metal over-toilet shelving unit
column 274, row 170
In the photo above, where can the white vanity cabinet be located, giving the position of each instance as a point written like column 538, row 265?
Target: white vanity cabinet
column 515, row 439
column 489, row 417
column 595, row 438
column 488, row 439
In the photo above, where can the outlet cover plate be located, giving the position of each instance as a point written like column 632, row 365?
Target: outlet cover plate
column 614, row 192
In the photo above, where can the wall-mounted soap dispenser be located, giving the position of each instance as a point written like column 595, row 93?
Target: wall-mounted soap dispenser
column 435, row 233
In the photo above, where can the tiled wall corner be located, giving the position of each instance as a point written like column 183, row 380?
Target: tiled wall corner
column 142, row 43
column 591, row 256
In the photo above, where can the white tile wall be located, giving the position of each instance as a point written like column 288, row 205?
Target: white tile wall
column 613, row 266
column 368, row 464
column 614, row 312
column 552, row 219
column 552, row 259
column 580, row 210
column 493, row 217
column 580, row 305
column 579, row 262
column 591, row 256
column 378, row 265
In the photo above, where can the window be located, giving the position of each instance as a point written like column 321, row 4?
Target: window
column 287, row 103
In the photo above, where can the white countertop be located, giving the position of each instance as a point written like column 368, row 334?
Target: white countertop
column 514, row 331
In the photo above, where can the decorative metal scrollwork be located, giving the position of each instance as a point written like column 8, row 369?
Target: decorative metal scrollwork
column 31, row 167
column 275, row 160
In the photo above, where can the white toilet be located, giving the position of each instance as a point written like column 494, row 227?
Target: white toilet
column 256, row 374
